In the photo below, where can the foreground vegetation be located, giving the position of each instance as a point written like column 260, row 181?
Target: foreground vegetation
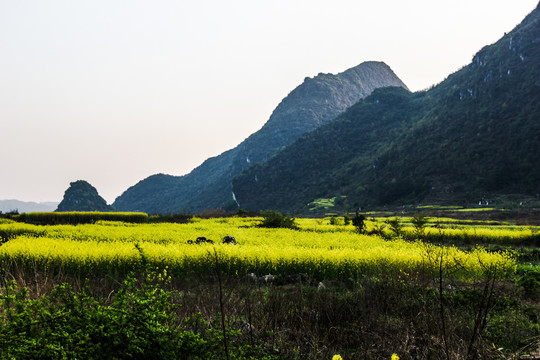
column 311, row 289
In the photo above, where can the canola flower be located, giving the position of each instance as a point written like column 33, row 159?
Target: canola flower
column 452, row 230
column 394, row 357
column 337, row 357
column 316, row 249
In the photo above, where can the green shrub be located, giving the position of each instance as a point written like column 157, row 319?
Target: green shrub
column 419, row 222
column 529, row 281
column 334, row 221
column 174, row 218
column 274, row 219
column 70, row 325
column 395, row 226
column 139, row 322
column 359, row 222
column 511, row 329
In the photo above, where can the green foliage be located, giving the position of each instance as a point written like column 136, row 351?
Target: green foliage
column 529, row 281
column 327, row 159
column 275, row 219
column 512, row 328
column 80, row 217
column 315, row 102
column 333, row 220
column 395, row 226
column 81, row 196
column 359, row 223
column 324, row 205
column 72, row 325
column 8, row 215
column 139, row 323
column 172, row 218
column 473, row 135
column 419, row 222
column 242, row 212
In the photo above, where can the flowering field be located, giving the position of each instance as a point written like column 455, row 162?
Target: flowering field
column 321, row 250
column 452, row 231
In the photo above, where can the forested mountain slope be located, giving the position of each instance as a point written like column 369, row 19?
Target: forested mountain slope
column 475, row 135
column 81, row 196
column 314, row 103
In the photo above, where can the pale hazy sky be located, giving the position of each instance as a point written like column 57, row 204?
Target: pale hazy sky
column 113, row 91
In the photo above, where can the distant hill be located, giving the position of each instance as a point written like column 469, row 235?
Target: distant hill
column 27, row 206
column 474, row 136
column 314, row 103
column 81, row 196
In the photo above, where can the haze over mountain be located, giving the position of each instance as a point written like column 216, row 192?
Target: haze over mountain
column 26, row 206
column 315, row 102
column 474, row 136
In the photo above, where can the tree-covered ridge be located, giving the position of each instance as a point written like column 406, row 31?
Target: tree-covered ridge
column 329, row 157
column 315, row 102
column 81, row 196
column 473, row 136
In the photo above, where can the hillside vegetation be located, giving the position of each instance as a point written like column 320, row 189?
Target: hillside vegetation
column 81, row 196
column 314, row 103
column 473, row 137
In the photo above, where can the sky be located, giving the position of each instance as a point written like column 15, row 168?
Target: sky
column 112, row 91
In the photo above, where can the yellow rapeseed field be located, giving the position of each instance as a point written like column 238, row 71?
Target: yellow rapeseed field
column 318, row 249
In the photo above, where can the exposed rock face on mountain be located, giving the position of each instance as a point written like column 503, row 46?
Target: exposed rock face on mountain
column 476, row 135
column 81, row 196
column 314, row 103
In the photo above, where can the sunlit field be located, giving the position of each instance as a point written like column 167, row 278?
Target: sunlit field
column 317, row 248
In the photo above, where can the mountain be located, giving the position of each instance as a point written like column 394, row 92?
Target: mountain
column 474, row 136
column 81, row 196
column 312, row 104
column 27, row 206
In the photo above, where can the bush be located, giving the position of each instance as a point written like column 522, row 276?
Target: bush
column 139, row 323
column 173, row 218
column 274, row 219
column 359, row 222
column 529, row 281
column 69, row 325
column 395, row 226
column 419, row 222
